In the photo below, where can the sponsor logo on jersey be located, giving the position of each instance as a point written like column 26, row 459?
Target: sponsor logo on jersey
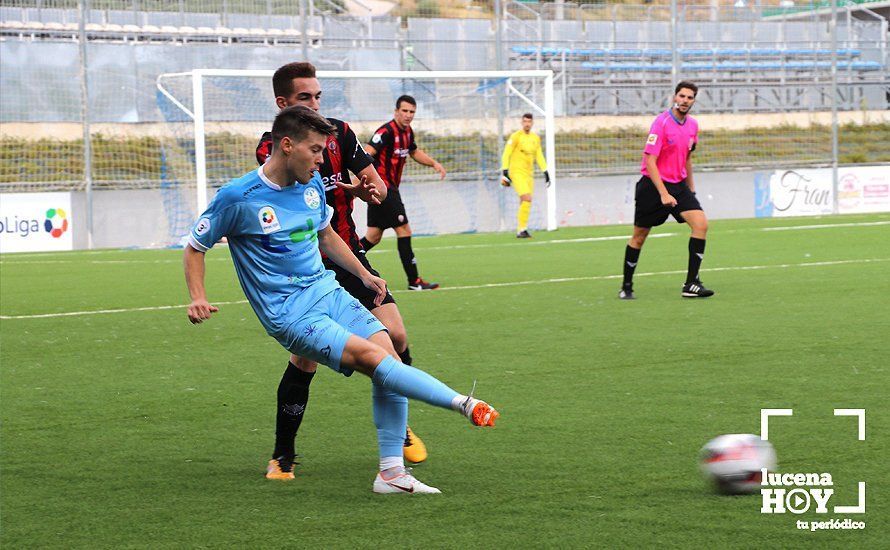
column 330, row 182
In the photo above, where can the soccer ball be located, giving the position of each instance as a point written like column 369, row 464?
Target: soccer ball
column 733, row 462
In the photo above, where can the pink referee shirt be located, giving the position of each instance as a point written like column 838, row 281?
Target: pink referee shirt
column 671, row 142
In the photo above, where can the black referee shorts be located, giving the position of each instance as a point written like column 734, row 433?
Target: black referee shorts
column 354, row 286
column 649, row 212
column 389, row 213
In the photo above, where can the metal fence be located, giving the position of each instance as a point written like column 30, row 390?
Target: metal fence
column 769, row 88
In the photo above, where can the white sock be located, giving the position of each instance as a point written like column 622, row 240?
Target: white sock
column 390, row 462
column 457, row 402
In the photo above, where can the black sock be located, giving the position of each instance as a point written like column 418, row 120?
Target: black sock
column 293, row 397
column 408, row 261
column 696, row 255
column 405, row 356
column 631, row 257
column 366, row 244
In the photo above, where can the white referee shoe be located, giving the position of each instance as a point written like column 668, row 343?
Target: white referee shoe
column 401, row 482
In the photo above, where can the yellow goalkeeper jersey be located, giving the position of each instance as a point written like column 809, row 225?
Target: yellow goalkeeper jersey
column 521, row 152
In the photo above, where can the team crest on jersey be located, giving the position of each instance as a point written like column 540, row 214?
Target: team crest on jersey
column 312, row 198
column 332, row 145
column 652, row 139
column 202, row 227
column 268, row 220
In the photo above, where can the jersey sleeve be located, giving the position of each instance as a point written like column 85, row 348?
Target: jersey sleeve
column 508, row 152
column 329, row 214
column 694, row 143
column 539, row 156
column 413, row 145
column 655, row 141
column 216, row 222
column 355, row 156
column 381, row 139
column 264, row 148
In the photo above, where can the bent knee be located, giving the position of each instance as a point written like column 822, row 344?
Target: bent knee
column 370, row 355
column 305, row 365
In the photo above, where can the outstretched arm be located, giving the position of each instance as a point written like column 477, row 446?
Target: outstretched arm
column 420, row 156
column 200, row 309
column 330, row 243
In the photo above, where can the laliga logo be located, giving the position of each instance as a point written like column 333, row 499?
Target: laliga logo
column 56, row 222
column 808, row 489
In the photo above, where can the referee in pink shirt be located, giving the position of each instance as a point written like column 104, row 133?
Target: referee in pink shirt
column 667, row 188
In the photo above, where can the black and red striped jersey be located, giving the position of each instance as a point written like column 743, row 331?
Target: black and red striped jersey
column 343, row 154
column 393, row 145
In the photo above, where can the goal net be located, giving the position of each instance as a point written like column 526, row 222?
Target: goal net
column 463, row 119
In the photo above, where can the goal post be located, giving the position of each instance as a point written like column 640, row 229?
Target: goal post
column 463, row 120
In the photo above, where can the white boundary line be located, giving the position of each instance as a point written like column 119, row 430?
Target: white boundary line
column 474, row 287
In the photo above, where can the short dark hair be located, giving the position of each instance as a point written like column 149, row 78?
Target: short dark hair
column 528, row 116
column 688, row 85
column 283, row 79
column 407, row 99
column 297, row 121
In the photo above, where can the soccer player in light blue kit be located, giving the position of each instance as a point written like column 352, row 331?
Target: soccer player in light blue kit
column 276, row 221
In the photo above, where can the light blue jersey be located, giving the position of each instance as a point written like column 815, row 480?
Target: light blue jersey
column 273, row 238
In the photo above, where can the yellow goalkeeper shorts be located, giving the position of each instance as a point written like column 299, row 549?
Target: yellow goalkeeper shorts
column 523, row 184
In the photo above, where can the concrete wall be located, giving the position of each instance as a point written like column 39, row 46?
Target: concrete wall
column 142, row 218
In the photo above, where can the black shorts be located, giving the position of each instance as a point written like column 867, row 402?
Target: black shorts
column 389, row 213
column 354, row 286
column 649, row 212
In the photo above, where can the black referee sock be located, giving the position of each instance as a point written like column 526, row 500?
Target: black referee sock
column 409, row 263
column 366, row 244
column 405, row 356
column 696, row 255
column 631, row 257
column 293, row 396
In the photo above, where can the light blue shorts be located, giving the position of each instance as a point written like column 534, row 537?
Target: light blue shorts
column 321, row 333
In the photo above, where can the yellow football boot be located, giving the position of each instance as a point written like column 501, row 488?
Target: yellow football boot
column 280, row 468
column 415, row 450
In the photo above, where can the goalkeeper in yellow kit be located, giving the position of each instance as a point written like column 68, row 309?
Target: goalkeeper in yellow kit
column 518, row 166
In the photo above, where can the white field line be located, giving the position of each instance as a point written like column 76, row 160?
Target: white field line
column 822, row 226
column 103, row 311
column 535, row 243
column 489, row 285
column 452, row 247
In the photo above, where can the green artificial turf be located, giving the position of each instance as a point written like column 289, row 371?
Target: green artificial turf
column 137, row 429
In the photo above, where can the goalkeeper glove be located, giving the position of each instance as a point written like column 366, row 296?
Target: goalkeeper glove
column 547, row 178
column 505, row 179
